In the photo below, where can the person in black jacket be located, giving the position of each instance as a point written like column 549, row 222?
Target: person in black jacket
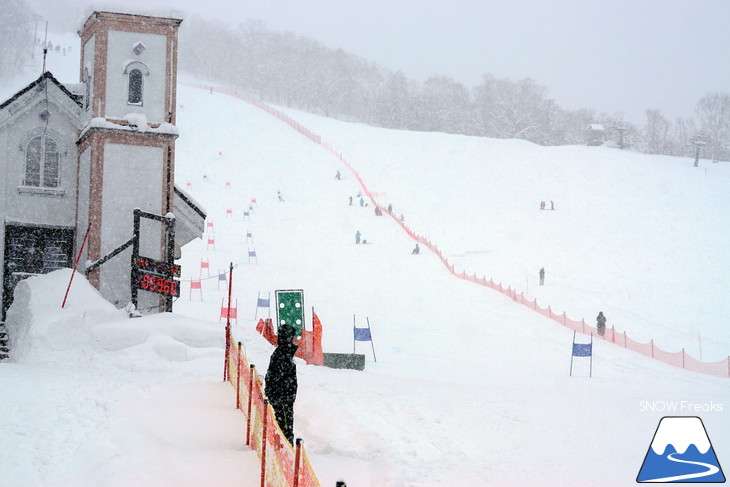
column 281, row 380
column 601, row 323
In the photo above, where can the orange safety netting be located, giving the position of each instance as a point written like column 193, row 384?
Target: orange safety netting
column 679, row 359
column 278, row 457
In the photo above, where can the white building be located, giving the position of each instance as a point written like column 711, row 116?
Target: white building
column 90, row 153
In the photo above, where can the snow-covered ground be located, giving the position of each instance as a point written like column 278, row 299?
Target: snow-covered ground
column 469, row 388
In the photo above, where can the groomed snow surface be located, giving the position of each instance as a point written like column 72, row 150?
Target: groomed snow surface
column 469, row 388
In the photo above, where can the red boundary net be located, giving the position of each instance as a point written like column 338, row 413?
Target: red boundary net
column 278, row 456
column 678, row 359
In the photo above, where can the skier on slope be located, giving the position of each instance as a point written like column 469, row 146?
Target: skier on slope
column 281, row 380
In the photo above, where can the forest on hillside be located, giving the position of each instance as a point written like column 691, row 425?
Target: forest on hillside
column 297, row 71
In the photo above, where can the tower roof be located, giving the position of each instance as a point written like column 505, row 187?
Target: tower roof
column 131, row 22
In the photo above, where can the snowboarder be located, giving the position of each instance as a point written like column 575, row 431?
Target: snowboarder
column 552, row 205
column 362, row 202
column 281, row 380
column 542, row 205
column 601, row 323
column 390, row 208
column 416, row 250
column 357, row 237
column 350, row 200
column 337, row 176
column 542, row 276
column 278, row 193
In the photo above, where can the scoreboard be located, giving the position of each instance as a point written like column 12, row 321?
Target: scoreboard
column 157, row 276
column 290, row 308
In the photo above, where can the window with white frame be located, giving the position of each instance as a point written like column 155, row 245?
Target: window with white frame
column 135, row 87
column 135, row 71
column 42, row 162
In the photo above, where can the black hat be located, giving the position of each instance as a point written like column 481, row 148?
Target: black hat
column 286, row 333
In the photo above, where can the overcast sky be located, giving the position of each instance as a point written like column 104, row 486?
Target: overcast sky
column 618, row 55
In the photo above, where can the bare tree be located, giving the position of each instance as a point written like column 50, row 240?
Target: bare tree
column 714, row 113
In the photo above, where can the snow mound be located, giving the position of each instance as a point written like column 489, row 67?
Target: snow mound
column 88, row 324
column 37, row 324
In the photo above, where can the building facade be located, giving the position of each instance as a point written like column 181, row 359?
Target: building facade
column 88, row 156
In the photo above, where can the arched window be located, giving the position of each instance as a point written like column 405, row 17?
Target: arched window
column 42, row 161
column 135, row 87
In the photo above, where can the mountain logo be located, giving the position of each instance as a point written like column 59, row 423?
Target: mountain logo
column 680, row 452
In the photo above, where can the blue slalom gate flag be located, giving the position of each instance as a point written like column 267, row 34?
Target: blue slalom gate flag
column 362, row 335
column 221, row 277
column 582, row 350
column 262, row 303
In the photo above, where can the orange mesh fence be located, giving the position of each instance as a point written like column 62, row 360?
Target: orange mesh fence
column 720, row 369
column 671, row 358
column 679, row 359
column 277, row 454
column 642, row 348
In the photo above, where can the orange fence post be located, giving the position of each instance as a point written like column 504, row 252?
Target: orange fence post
column 251, row 371
column 297, row 459
column 228, row 351
column 263, row 444
column 238, row 378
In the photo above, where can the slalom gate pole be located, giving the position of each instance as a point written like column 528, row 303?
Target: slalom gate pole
column 251, row 371
column 297, row 460
column 571, row 354
column 86, row 235
column 263, row 444
column 238, row 378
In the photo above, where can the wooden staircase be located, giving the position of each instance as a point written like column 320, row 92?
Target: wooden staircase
column 4, row 342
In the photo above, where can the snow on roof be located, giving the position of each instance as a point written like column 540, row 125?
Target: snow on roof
column 46, row 75
column 132, row 122
column 595, row 126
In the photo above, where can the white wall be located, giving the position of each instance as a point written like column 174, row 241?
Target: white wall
column 154, row 57
column 84, row 183
column 132, row 179
column 89, row 64
column 35, row 205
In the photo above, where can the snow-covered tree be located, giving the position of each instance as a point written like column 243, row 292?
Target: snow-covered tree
column 16, row 36
column 714, row 114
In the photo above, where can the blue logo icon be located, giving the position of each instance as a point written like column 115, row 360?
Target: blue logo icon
column 681, row 452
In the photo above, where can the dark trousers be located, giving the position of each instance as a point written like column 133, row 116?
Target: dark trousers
column 284, row 413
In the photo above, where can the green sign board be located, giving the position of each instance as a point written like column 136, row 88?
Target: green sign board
column 290, row 308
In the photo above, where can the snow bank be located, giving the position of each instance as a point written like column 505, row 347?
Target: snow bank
column 39, row 327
